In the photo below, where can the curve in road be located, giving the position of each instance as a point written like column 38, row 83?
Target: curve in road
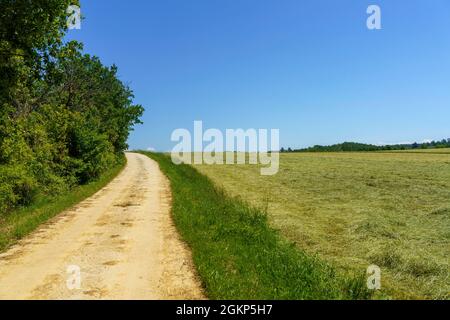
column 119, row 244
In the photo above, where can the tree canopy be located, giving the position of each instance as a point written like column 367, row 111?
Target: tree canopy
column 358, row 147
column 64, row 116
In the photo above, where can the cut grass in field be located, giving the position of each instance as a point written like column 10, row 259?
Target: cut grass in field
column 20, row 222
column 357, row 209
column 237, row 254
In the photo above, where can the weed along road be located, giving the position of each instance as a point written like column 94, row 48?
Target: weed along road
column 118, row 244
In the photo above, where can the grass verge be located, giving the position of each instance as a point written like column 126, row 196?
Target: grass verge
column 237, row 254
column 22, row 221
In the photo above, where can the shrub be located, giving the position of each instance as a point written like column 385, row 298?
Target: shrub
column 17, row 186
column 64, row 116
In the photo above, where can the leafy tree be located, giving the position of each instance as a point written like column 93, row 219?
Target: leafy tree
column 64, row 116
column 29, row 30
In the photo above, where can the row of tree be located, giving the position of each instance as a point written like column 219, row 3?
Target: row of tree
column 361, row 147
column 64, row 116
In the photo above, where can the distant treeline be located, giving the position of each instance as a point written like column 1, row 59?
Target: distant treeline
column 64, row 116
column 353, row 147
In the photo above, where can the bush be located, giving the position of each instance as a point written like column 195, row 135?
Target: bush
column 17, row 187
column 64, row 116
column 93, row 149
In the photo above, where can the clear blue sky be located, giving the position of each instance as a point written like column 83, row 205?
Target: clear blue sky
column 309, row 68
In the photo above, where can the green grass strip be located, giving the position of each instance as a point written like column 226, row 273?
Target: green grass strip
column 237, row 254
column 20, row 222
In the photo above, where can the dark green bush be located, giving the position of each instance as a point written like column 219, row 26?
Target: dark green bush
column 17, row 186
column 64, row 116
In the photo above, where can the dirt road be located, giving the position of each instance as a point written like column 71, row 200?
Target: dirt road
column 118, row 244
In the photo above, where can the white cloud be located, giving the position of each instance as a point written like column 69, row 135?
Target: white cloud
column 151, row 149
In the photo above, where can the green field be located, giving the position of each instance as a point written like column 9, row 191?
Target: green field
column 391, row 209
column 238, row 255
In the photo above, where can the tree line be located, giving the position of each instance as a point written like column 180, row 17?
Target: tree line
column 361, row 147
column 64, row 116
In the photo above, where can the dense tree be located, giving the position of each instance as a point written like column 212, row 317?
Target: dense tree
column 358, row 147
column 29, row 31
column 64, row 117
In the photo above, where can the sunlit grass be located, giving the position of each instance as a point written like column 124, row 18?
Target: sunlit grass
column 356, row 209
column 238, row 255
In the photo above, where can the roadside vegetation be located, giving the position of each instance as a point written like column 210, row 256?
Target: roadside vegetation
column 238, row 255
column 20, row 222
column 357, row 209
column 64, row 116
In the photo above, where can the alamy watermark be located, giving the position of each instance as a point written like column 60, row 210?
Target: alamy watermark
column 374, row 277
column 74, row 17
column 73, row 281
column 236, row 146
column 374, row 19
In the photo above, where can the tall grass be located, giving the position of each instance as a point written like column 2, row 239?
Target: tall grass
column 237, row 254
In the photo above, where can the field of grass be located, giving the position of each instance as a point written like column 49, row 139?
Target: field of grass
column 357, row 209
column 238, row 255
column 20, row 222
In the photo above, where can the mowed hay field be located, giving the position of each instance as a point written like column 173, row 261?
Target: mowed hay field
column 357, row 209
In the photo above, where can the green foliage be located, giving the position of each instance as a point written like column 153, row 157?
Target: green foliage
column 29, row 30
column 64, row 117
column 93, row 149
column 17, row 186
column 24, row 220
column 361, row 147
